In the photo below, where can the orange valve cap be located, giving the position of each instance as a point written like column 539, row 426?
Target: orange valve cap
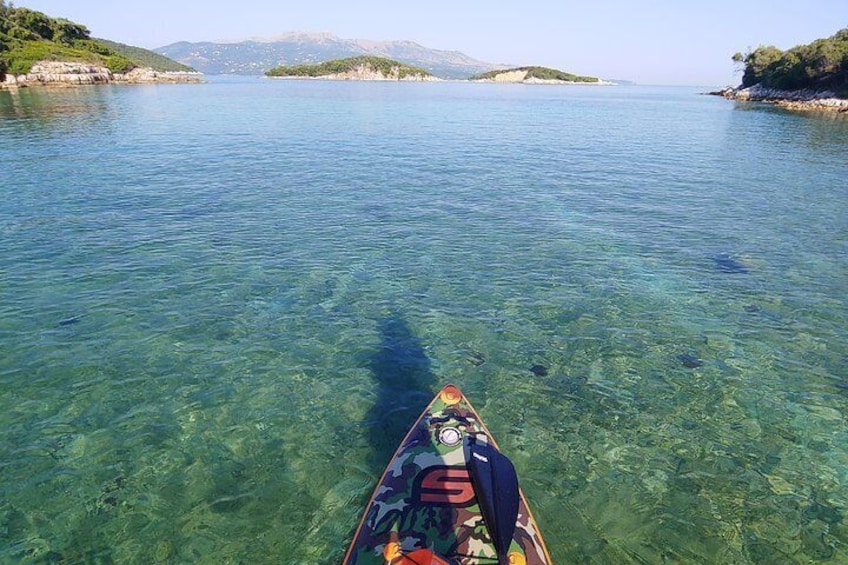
column 450, row 395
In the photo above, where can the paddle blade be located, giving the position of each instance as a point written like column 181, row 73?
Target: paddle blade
column 496, row 486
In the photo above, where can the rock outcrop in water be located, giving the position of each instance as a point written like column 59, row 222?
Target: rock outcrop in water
column 57, row 73
column 791, row 99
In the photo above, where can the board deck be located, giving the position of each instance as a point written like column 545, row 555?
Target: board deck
column 425, row 508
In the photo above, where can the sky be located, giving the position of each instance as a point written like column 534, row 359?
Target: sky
column 648, row 42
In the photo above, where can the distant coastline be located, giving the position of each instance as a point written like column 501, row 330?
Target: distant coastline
column 371, row 68
column 256, row 56
column 40, row 50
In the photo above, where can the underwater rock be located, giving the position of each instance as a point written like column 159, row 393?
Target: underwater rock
column 594, row 547
column 827, row 514
column 539, row 370
column 690, row 361
column 752, row 308
column 771, row 462
column 110, row 497
column 685, row 485
column 476, row 358
column 164, row 552
column 573, row 385
column 762, row 550
column 815, row 543
column 229, row 504
column 727, row 264
column 56, row 446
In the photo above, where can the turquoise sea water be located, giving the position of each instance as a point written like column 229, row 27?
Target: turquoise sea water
column 222, row 305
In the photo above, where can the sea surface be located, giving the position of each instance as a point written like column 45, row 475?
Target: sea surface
column 222, row 305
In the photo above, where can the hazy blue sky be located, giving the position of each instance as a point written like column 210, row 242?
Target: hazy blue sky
column 651, row 42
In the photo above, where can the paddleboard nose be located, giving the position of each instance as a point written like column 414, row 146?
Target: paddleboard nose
column 450, row 395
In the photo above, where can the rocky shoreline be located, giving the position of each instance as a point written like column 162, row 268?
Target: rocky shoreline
column 56, row 73
column 807, row 100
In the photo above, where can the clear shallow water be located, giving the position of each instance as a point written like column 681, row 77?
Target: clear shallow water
column 222, row 305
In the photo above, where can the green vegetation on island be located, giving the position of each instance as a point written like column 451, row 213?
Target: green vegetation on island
column 28, row 36
column 820, row 65
column 387, row 67
column 538, row 73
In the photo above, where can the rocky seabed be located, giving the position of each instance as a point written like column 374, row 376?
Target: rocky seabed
column 52, row 73
column 793, row 99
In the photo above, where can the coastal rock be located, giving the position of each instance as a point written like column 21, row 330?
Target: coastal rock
column 59, row 73
column 599, row 82
column 822, row 100
column 55, row 72
column 148, row 75
column 510, row 76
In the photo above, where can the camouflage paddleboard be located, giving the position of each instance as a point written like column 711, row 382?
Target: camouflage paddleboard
column 424, row 510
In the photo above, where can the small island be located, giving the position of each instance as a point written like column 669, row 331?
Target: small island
column 36, row 49
column 806, row 77
column 364, row 67
column 536, row 75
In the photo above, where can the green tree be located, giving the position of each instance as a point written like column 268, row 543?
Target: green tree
column 789, row 72
column 759, row 63
column 32, row 21
column 4, row 18
column 67, row 32
column 822, row 64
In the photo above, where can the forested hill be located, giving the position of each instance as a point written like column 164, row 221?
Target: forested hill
column 362, row 67
column 146, row 57
column 28, row 36
column 820, row 65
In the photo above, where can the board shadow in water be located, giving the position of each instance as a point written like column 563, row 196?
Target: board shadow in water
column 405, row 383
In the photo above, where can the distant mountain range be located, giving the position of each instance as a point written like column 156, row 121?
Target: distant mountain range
column 256, row 56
